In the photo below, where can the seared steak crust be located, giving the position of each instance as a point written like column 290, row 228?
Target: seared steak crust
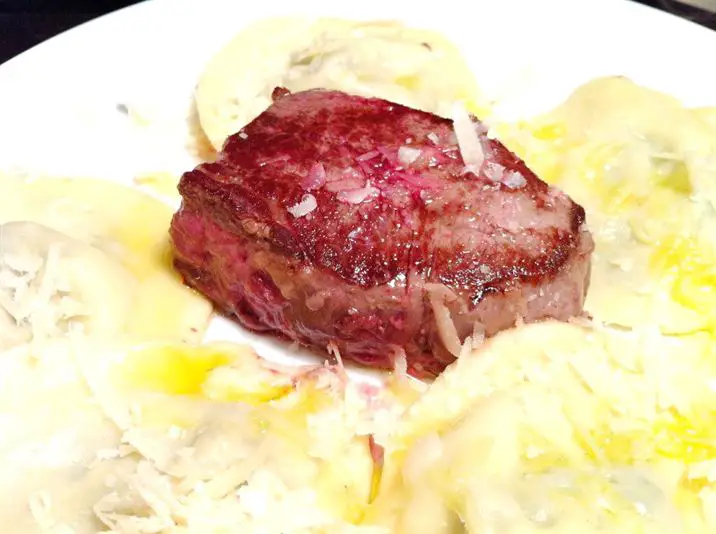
column 337, row 218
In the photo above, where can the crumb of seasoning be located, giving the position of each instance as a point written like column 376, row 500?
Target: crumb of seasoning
column 123, row 109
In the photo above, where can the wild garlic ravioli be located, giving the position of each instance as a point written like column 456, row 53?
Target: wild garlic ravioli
column 89, row 256
column 644, row 168
column 223, row 442
column 559, row 428
column 163, row 437
column 52, row 433
column 386, row 59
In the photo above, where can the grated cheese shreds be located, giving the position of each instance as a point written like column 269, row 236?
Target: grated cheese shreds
column 33, row 293
column 408, row 155
column 297, row 464
column 304, row 207
column 467, row 138
column 400, row 364
column 40, row 505
column 259, row 498
column 445, row 325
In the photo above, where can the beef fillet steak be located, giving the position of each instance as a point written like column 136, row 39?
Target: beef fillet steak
column 339, row 219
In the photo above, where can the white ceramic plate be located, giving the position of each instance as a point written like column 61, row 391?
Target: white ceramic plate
column 58, row 102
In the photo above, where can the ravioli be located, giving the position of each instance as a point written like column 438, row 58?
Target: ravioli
column 211, row 423
column 556, row 427
column 386, row 59
column 115, row 240
column 644, row 168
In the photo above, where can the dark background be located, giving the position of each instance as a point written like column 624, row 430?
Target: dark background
column 24, row 23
